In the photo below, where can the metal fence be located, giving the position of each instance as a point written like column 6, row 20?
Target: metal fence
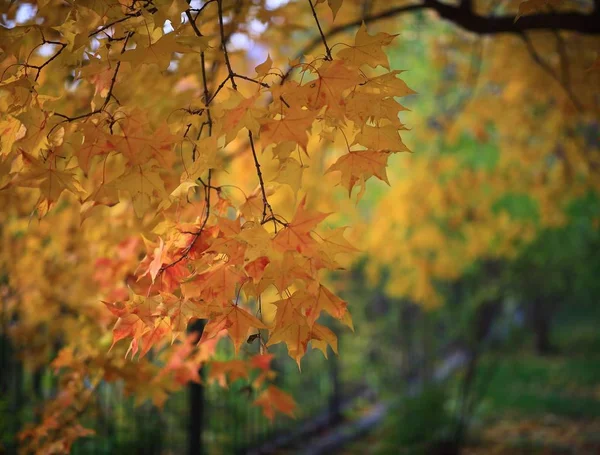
column 231, row 424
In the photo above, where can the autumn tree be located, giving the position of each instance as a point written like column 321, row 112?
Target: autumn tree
column 168, row 161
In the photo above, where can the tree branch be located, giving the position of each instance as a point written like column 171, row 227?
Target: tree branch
column 482, row 25
column 466, row 5
column 490, row 25
column 548, row 69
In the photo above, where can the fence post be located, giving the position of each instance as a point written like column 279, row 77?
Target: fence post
column 196, row 405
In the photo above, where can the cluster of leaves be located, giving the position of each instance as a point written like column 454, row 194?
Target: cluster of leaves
column 120, row 123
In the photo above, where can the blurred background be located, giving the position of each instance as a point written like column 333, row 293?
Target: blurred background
column 475, row 294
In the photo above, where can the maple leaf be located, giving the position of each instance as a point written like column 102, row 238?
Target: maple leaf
column 334, row 6
column 236, row 321
column 185, row 369
column 96, row 142
column 361, row 164
column 335, row 243
column 160, row 256
column 218, row 284
column 334, row 78
column 50, row 182
column 100, row 74
column 239, row 112
column 141, row 142
column 182, row 310
column 325, row 301
column 128, row 326
column 153, row 336
column 179, row 194
column 296, row 235
column 282, row 273
column 290, row 173
column 36, row 135
column 294, row 126
column 107, row 194
column 160, row 52
column 252, row 208
column 144, row 185
column 11, row 129
column 296, row 335
column 274, row 400
column 370, row 107
column 223, row 372
column 388, row 84
column 256, row 268
column 258, row 241
column 207, row 159
column 381, row 138
column 262, row 361
column 321, row 337
column 367, row 49
column 263, row 69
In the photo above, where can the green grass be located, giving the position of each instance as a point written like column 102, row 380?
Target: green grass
column 566, row 384
column 530, row 385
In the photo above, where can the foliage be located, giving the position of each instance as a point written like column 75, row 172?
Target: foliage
column 119, row 127
column 164, row 161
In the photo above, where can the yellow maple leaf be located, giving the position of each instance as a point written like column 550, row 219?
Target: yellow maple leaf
column 263, row 69
column 367, row 49
column 144, row 185
column 321, row 337
column 51, row 182
column 381, row 138
column 361, row 164
column 161, row 51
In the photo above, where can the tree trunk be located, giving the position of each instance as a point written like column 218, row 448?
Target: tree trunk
column 541, row 315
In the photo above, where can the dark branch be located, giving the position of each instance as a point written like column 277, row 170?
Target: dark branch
column 481, row 25
column 489, row 25
column 466, row 5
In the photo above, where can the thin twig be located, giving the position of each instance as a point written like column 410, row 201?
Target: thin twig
column 250, row 79
column 109, row 95
column 548, row 69
column 266, row 205
column 224, row 45
column 327, row 49
column 207, row 186
column 41, row 67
